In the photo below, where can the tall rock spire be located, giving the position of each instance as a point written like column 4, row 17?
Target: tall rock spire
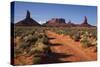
column 85, row 23
column 28, row 21
column 28, row 14
column 85, row 20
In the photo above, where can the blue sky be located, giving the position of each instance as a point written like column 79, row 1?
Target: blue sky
column 43, row 12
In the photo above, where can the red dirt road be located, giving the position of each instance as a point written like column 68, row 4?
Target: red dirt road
column 70, row 47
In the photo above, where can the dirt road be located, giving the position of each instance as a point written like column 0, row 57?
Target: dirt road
column 73, row 50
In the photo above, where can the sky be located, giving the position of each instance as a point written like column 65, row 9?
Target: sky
column 42, row 12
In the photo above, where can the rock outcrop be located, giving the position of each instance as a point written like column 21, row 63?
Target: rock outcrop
column 28, row 21
column 54, row 22
column 85, row 23
column 60, row 22
column 70, row 24
column 57, row 22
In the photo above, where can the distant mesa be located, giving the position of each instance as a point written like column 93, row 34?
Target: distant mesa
column 60, row 22
column 28, row 21
column 55, row 22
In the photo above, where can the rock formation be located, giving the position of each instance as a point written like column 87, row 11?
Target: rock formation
column 54, row 22
column 28, row 21
column 57, row 22
column 85, row 23
column 70, row 24
column 60, row 22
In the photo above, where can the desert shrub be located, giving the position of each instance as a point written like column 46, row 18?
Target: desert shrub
column 94, row 35
column 60, row 32
column 88, row 39
column 93, row 42
column 38, row 51
column 76, row 37
column 36, row 60
column 17, row 52
column 45, row 41
column 85, row 42
column 40, row 47
column 24, row 45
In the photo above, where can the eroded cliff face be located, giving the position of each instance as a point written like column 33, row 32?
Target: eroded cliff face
column 55, row 22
